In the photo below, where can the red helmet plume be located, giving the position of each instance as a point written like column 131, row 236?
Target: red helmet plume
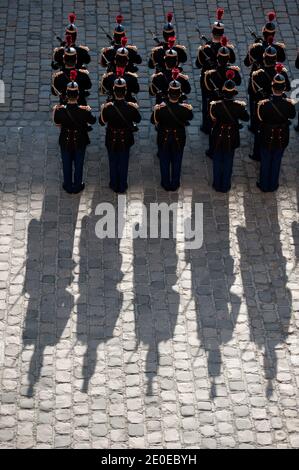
column 120, row 71
column 175, row 73
column 124, row 41
column 224, row 41
column 72, row 18
column 230, row 74
column 279, row 68
column 73, row 75
column 68, row 40
column 119, row 19
column 271, row 16
column 169, row 17
column 270, row 40
column 171, row 42
column 219, row 13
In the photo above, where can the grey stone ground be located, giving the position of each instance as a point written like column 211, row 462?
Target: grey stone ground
column 144, row 344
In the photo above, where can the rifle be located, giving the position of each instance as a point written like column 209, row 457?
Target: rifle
column 112, row 41
column 201, row 36
column 62, row 42
column 254, row 35
column 155, row 38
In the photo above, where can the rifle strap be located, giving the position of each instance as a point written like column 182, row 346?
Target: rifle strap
column 181, row 123
column 278, row 111
column 130, row 127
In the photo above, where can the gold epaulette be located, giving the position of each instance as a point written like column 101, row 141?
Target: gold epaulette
column 256, row 72
column 184, row 76
column 159, row 106
column 289, row 100
column 156, row 74
column 86, row 108
column 234, row 67
column 180, row 46
column 106, row 105
column 230, row 46
column 56, row 74
column 280, row 44
column 242, row 103
column 156, row 48
column 187, row 105
column 131, row 46
column 285, row 70
column 85, row 48
column 105, row 49
column 84, row 71
column 209, row 72
column 58, row 49
column 255, row 44
column 106, row 74
column 134, row 105
column 132, row 74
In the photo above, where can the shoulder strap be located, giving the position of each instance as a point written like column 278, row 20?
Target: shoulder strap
column 131, row 128
column 181, row 123
column 228, row 112
column 74, row 121
column 278, row 111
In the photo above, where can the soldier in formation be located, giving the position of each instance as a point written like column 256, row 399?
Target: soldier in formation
column 108, row 54
column 170, row 118
column 255, row 57
column 270, row 109
column 207, row 59
column 225, row 138
column 74, row 121
column 274, row 115
column 71, row 32
column 156, row 60
column 120, row 118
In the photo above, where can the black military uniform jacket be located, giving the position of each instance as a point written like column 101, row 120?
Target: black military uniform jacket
column 172, row 118
column 274, row 114
column 83, row 57
column 225, row 115
column 108, row 54
column 261, row 80
column 160, row 83
column 61, row 79
column 108, row 79
column 157, row 61
column 120, row 117
column 215, row 79
column 74, row 120
column 207, row 55
column 254, row 57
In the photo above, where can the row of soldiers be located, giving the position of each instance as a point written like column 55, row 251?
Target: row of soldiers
column 270, row 110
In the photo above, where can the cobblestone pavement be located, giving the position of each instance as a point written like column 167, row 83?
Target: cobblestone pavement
column 141, row 344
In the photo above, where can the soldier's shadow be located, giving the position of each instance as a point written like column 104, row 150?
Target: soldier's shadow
column 264, row 279
column 100, row 300
column 156, row 296
column 49, row 275
column 212, row 271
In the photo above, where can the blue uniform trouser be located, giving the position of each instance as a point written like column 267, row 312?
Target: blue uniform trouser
column 222, row 169
column 252, row 108
column 206, row 121
column 119, row 167
column 171, row 156
column 72, row 180
column 256, row 146
column 270, row 169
